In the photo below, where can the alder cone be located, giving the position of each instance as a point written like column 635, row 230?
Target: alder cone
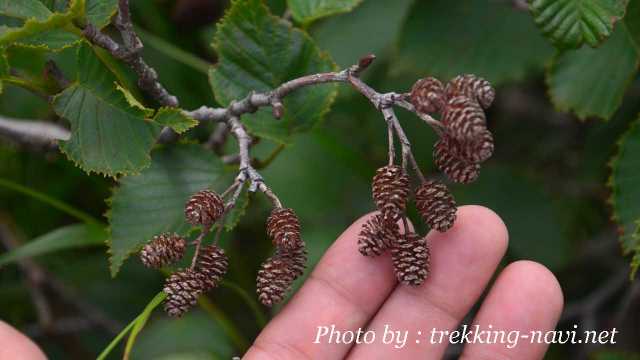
column 277, row 274
column 427, row 95
column 376, row 236
column 164, row 249
column 472, row 87
column 213, row 264
column 183, row 288
column 390, row 192
column 464, row 119
column 455, row 168
column 204, row 208
column 410, row 255
column 436, row 205
column 283, row 227
column 296, row 257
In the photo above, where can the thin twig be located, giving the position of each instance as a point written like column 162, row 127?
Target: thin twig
column 31, row 133
column 198, row 242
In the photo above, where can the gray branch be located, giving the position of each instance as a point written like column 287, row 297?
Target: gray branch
column 36, row 134
column 129, row 52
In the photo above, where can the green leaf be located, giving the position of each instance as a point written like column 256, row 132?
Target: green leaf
column 167, row 338
column 24, row 9
column 137, row 324
column 635, row 261
column 306, row 11
column 99, row 12
column 141, row 321
column 625, row 193
column 487, row 38
column 259, row 51
column 45, row 32
column 571, row 23
column 504, row 191
column 67, row 237
column 372, row 27
column 604, row 74
column 108, row 135
column 153, row 202
column 54, row 40
column 175, row 119
column 4, row 68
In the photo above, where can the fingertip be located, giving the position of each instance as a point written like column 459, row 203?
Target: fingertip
column 485, row 220
column 14, row 345
column 537, row 281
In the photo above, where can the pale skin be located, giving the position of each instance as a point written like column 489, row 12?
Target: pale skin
column 351, row 291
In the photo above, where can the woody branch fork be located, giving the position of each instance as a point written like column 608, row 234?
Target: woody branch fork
column 130, row 53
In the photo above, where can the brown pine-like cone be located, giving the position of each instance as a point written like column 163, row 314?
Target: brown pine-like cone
column 376, row 236
column 390, row 192
column 275, row 278
column 410, row 255
column 283, row 227
column 296, row 257
column 183, row 288
column 473, row 87
column 164, row 249
column 455, row 168
column 213, row 264
column 436, row 205
column 464, row 119
column 427, row 95
column 204, row 208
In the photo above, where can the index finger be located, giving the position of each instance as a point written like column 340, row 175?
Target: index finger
column 345, row 290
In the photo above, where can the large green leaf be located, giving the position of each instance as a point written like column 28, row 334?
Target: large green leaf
column 153, row 202
column 175, row 119
column 571, row 23
column 487, row 38
column 99, row 12
column 306, row 11
column 372, row 27
column 625, row 193
column 67, row 237
column 604, row 73
column 42, row 28
column 24, row 9
column 259, row 51
column 108, row 135
column 519, row 199
column 194, row 336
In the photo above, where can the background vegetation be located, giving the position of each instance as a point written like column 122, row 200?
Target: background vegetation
column 564, row 176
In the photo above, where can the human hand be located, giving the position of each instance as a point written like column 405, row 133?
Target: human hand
column 15, row 346
column 351, row 291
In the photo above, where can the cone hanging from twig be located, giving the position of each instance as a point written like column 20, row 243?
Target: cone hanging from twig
column 277, row 274
column 204, row 208
column 283, row 227
column 183, row 288
column 213, row 264
column 163, row 250
column 410, row 255
column 376, row 236
column 473, row 87
column 456, row 169
column 390, row 192
column 427, row 95
column 436, row 205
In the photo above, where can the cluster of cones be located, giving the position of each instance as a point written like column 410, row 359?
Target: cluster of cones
column 409, row 251
column 184, row 286
column 465, row 143
column 205, row 208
